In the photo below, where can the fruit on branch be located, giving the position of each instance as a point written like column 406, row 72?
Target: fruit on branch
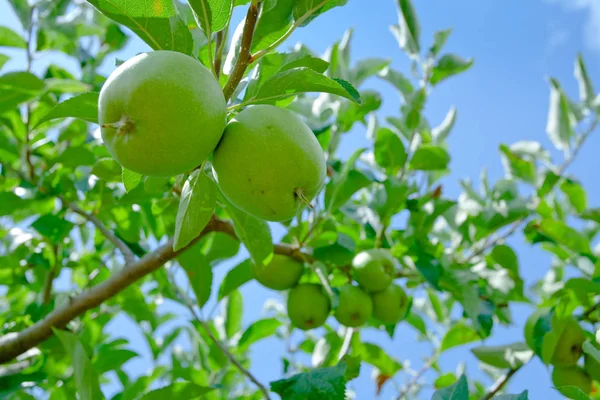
column 269, row 163
column 374, row 269
column 569, row 346
column 571, row 376
column 161, row 113
column 308, row 306
column 390, row 305
column 354, row 308
column 281, row 273
column 591, row 366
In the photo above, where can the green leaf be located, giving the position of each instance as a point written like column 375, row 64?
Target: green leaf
column 10, row 202
column 272, row 24
column 511, row 355
column 107, row 169
column 346, row 183
column 586, row 89
column 561, row 121
column 52, row 227
column 430, row 158
column 441, row 132
column 449, row 65
column 17, row 88
column 376, row 356
column 366, row 68
column 561, row 233
column 160, row 26
column 86, row 378
column 592, row 351
column 399, row 81
column 3, row 60
column 389, row 151
column 178, row 391
column 307, row 10
column 572, row 392
column 196, row 207
column 521, row 396
column 211, row 15
column 234, row 310
column 518, row 166
column 575, row 193
column 322, row 383
column 74, row 157
column 66, row 86
column 408, row 30
column 457, row 335
column 260, row 329
column 439, row 40
column 112, row 359
column 273, row 63
column 83, row 106
column 199, row 273
column 10, row 38
column 130, row 179
column 458, row 391
column 301, row 80
column 253, row 232
column 236, row 277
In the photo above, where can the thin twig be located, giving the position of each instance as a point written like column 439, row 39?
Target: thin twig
column 29, row 55
column 244, row 58
column 47, row 293
column 499, row 384
column 218, row 343
column 220, row 45
column 415, row 379
column 119, row 244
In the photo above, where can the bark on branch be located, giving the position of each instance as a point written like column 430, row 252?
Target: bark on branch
column 14, row 344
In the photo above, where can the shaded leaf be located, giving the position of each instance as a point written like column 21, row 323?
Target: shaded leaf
column 10, row 38
column 196, row 207
column 458, row 391
column 447, row 66
column 83, row 106
column 322, row 383
column 236, row 277
column 430, row 158
column 258, row 330
column 17, row 88
column 178, row 391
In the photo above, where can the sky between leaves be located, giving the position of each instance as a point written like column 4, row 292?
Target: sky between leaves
column 516, row 45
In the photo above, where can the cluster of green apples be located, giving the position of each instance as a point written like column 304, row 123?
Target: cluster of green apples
column 309, row 305
column 163, row 114
column 567, row 353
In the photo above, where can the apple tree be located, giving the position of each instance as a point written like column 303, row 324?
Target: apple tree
column 122, row 194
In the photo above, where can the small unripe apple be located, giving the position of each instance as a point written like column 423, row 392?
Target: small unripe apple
column 591, row 366
column 354, row 308
column 161, row 113
column 308, row 306
column 569, row 347
column 571, row 376
column 374, row 269
column 269, row 163
column 281, row 273
column 390, row 305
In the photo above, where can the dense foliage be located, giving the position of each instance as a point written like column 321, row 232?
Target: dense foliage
column 123, row 243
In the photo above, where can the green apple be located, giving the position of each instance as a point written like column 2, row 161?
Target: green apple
column 571, row 376
column 308, row 306
column 390, row 305
column 161, row 113
column 281, row 273
column 569, row 346
column 354, row 308
column 374, row 269
column 592, row 367
column 269, row 163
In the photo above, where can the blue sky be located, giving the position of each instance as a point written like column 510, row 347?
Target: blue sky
column 516, row 45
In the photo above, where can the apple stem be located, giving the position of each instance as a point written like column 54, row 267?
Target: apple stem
column 123, row 126
column 300, row 194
